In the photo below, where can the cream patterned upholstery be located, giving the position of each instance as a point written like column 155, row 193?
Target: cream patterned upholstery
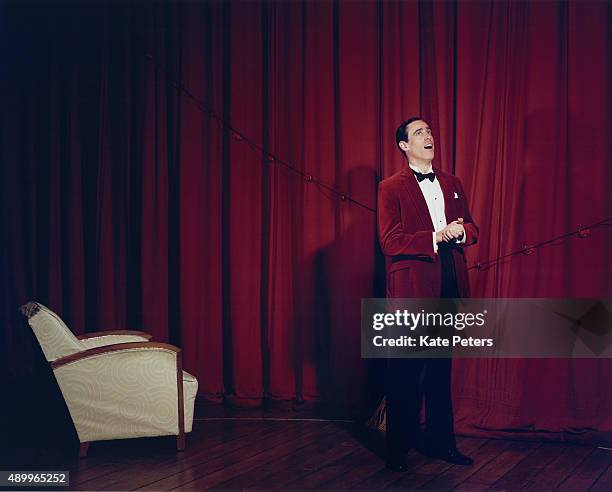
column 105, row 340
column 118, row 384
column 55, row 339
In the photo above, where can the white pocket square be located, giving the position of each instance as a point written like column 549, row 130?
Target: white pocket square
column 456, row 196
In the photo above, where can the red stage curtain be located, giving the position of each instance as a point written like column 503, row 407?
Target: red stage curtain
column 126, row 205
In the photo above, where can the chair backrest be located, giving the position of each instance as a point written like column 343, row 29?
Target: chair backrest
column 54, row 337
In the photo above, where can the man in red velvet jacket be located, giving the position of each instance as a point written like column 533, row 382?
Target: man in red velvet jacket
column 424, row 223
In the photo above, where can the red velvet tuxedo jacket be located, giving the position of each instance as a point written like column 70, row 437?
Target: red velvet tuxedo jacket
column 405, row 233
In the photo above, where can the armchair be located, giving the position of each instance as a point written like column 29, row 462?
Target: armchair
column 116, row 384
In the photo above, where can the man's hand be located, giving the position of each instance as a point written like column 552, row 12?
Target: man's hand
column 452, row 231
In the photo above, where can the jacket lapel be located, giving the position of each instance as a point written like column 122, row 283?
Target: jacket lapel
column 417, row 198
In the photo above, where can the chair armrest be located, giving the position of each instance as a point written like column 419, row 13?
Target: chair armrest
column 114, row 348
column 135, row 333
column 104, row 338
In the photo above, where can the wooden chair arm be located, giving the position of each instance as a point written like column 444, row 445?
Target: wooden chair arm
column 114, row 348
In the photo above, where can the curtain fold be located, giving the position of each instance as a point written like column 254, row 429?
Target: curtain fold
column 136, row 195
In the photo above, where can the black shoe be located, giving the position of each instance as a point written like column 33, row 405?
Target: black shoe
column 450, row 455
column 396, row 462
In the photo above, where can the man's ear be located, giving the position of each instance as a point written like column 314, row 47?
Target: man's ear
column 403, row 145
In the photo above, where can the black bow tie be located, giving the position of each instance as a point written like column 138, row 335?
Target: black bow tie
column 420, row 176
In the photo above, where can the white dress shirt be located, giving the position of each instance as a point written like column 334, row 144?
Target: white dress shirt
column 432, row 192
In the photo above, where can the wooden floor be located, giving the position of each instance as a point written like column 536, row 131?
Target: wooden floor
column 245, row 453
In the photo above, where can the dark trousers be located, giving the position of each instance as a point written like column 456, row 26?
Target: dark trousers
column 404, row 400
column 411, row 379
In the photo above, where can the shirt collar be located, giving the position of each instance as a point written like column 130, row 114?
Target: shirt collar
column 417, row 170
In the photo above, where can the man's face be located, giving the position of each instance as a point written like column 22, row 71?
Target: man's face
column 420, row 146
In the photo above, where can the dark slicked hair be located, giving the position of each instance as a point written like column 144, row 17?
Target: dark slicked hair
column 400, row 133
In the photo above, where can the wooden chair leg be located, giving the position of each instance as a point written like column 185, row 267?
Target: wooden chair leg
column 180, row 442
column 83, row 449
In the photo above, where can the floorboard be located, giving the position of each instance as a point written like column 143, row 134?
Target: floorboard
column 288, row 466
column 525, row 472
column 604, row 482
column 455, row 475
column 342, row 445
column 560, row 468
column 496, row 468
column 233, row 460
column 263, row 451
column 588, row 471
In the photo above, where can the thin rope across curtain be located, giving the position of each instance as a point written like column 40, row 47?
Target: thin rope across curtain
column 582, row 232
